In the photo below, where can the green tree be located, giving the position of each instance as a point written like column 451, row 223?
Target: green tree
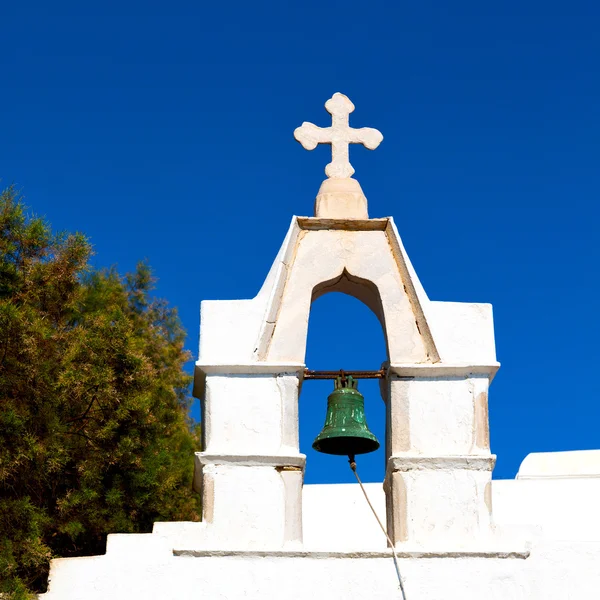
column 94, row 429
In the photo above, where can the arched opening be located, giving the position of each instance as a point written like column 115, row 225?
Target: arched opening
column 345, row 331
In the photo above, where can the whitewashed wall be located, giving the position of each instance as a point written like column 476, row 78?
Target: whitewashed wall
column 344, row 555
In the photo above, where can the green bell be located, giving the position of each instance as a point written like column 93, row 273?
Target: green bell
column 345, row 432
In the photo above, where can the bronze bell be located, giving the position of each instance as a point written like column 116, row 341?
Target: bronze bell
column 345, row 432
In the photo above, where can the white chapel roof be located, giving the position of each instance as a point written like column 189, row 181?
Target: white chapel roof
column 560, row 465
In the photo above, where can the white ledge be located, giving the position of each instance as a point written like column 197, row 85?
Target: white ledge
column 401, row 370
column 426, row 370
column 296, row 461
column 440, row 463
column 250, row 368
column 400, row 552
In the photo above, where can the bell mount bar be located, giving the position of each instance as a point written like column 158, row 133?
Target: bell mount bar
column 310, row 374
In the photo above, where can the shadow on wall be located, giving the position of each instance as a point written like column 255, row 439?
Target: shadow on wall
column 343, row 333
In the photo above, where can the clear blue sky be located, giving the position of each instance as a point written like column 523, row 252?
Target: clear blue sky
column 164, row 131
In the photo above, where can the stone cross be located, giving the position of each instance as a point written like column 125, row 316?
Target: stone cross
column 339, row 135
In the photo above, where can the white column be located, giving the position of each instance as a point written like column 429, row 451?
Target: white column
column 251, row 470
column 439, row 463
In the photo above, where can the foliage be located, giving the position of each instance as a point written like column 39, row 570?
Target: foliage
column 94, row 433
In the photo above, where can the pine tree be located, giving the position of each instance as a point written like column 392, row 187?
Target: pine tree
column 94, row 429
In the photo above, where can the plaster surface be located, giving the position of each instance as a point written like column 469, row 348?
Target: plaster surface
column 559, row 516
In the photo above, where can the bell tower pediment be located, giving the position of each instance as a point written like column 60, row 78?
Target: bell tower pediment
column 362, row 258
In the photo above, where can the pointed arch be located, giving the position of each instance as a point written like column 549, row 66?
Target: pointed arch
column 363, row 290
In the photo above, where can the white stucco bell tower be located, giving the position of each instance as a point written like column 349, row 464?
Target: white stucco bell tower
column 249, row 374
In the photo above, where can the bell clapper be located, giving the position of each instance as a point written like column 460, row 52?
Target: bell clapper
column 352, row 461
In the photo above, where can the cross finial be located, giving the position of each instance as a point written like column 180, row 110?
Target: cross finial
column 339, row 135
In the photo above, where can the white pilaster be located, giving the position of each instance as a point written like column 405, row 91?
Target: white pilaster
column 250, row 473
column 439, row 462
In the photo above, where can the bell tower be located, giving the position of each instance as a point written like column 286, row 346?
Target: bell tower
column 252, row 363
